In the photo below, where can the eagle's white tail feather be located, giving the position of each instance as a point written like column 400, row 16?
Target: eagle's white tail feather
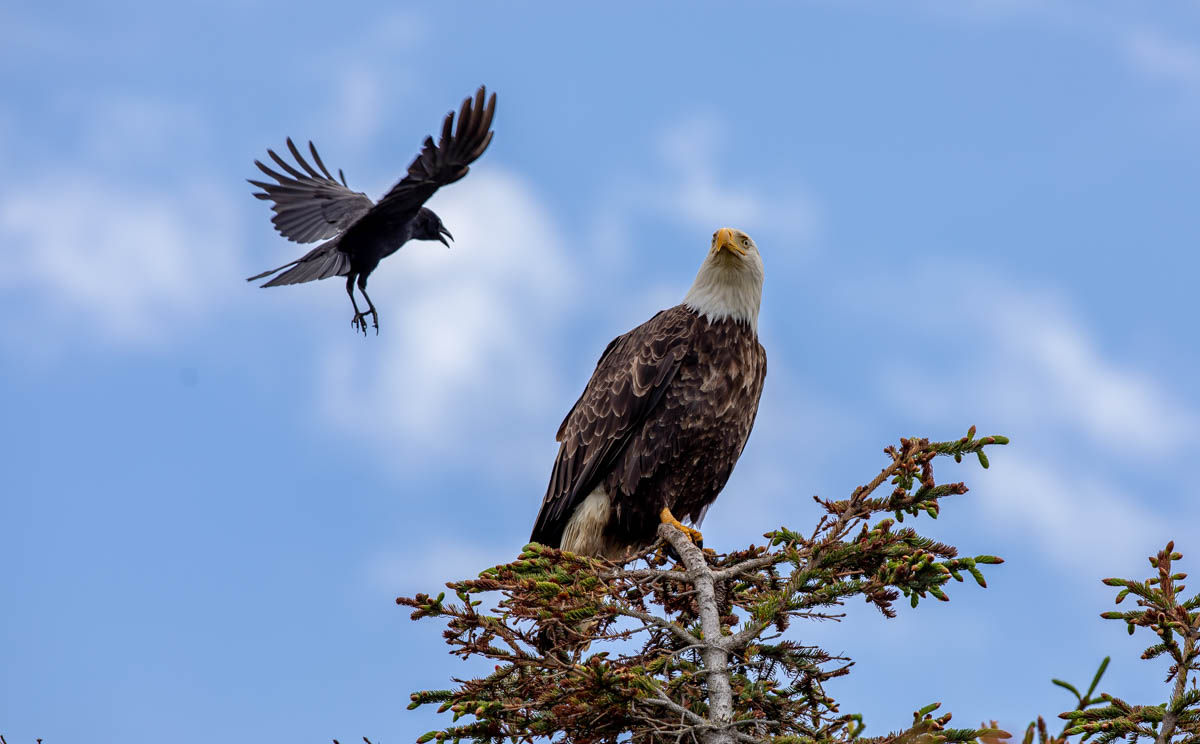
column 584, row 533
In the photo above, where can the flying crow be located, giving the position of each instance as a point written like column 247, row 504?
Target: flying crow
column 359, row 233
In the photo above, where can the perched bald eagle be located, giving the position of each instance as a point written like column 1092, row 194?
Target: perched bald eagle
column 659, row 427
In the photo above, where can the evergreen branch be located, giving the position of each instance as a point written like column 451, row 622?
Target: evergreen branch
column 697, row 675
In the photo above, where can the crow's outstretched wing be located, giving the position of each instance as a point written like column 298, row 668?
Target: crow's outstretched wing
column 442, row 163
column 311, row 205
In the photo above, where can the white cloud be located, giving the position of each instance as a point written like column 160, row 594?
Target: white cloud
column 1035, row 361
column 700, row 195
column 104, row 245
column 994, row 11
column 1081, row 420
column 364, row 99
column 689, row 149
column 1164, row 58
column 91, row 257
column 688, row 188
column 1120, row 28
column 124, row 130
column 469, row 345
column 427, row 568
column 358, row 106
column 1079, row 517
column 797, row 434
column 1118, row 406
column 468, row 335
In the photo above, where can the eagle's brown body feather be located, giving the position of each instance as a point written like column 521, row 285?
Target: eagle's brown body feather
column 662, row 422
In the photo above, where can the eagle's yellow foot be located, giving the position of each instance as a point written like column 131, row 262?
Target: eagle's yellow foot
column 693, row 534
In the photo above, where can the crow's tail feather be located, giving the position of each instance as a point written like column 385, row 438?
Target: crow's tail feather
column 272, row 271
column 321, row 262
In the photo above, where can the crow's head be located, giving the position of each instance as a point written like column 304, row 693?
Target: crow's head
column 428, row 226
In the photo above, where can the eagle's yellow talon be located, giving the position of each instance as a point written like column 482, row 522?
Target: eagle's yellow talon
column 693, row 534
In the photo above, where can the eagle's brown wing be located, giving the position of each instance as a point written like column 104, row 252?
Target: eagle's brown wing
column 630, row 379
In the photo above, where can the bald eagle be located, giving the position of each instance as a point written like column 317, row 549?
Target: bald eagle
column 659, row 427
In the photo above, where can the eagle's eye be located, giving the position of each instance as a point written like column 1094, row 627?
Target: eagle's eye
column 746, row 242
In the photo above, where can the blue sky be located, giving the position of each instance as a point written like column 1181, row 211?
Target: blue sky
column 977, row 212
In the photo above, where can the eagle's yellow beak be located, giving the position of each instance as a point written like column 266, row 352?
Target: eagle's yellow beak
column 725, row 240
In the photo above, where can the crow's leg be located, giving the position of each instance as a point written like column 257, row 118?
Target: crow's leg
column 359, row 321
column 362, row 287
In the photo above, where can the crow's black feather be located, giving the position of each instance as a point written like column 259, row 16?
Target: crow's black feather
column 310, row 205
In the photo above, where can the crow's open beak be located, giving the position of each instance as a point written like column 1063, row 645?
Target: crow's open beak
column 443, row 233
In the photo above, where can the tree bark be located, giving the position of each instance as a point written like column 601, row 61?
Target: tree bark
column 714, row 652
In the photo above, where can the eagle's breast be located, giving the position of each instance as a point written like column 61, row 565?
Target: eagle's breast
column 686, row 450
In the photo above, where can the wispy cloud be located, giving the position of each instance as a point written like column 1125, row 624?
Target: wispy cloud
column 358, row 105
column 472, row 337
column 991, row 11
column 365, row 97
column 1055, row 360
column 1037, row 360
column 427, row 566
column 1127, row 31
column 1082, row 419
column 125, row 131
column 683, row 184
column 103, row 246
column 92, row 258
column 1164, row 58
column 698, row 192
column 1079, row 518
column 469, row 333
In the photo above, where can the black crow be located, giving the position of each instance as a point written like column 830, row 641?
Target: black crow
column 313, row 206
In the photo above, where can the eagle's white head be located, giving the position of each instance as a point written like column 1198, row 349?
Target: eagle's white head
column 729, row 283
